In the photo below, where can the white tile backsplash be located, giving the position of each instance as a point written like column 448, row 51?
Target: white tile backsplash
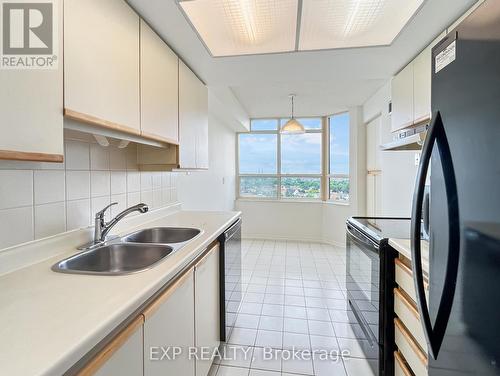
column 99, row 157
column 16, row 188
column 50, row 219
column 100, row 183
column 49, row 186
column 16, row 226
column 118, row 182
column 156, row 180
column 146, row 181
column 147, row 198
column 77, row 185
column 78, row 214
column 133, row 181
column 44, row 199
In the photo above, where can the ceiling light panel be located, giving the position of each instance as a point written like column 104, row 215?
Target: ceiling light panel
column 329, row 24
column 243, row 27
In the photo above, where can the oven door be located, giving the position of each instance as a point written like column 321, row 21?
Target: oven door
column 363, row 282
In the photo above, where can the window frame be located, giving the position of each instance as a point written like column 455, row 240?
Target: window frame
column 324, row 175
column 329, row 174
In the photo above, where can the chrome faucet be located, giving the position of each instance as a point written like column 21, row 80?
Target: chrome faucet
column 102, row 227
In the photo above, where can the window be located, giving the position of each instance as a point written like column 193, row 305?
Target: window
column 290, row 166
column 338, row 174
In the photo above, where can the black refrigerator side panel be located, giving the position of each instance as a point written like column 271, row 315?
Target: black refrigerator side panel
column 466, row 91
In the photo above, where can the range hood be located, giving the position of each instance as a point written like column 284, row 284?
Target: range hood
column 410, row 139
column 413, row 142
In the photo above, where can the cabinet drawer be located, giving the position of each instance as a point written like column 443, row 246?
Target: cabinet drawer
column 407, row 346
column 404, row 278
column 400, row 365
column 408, row 314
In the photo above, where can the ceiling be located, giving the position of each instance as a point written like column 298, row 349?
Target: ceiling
column 246, row 27
column 324, row 81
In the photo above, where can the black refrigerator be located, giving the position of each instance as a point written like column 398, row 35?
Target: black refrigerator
column 461, row 318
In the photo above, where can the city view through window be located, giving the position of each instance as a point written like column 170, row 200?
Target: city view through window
column 289, row 166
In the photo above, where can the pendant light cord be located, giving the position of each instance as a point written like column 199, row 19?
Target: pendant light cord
column 292, row 107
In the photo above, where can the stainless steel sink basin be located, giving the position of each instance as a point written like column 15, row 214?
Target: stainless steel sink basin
column 162, row 235
column 114, row 259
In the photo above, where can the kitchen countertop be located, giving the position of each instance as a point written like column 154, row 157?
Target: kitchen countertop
column 51, row 320
column 404, row 248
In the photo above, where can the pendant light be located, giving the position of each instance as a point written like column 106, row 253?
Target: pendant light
column 292, row 126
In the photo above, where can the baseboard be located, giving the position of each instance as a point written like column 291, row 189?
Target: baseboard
column 282, row 238
column 333, row 242
column 293, row 239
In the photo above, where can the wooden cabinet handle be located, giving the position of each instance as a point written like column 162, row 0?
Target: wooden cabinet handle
column 103, row 356
column 155, row 305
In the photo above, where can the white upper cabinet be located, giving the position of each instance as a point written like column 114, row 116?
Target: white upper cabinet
column 193, row 120
column 159, row 87
column 422, row 86
column 101, row 70
column 202, row 130
column 422, row 83
column 402, row 99
column 31, row 106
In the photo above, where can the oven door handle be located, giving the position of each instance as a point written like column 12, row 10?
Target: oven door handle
column 360, row 238
column 435, row 334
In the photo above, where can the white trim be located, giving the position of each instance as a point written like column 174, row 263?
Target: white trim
column 282, row 201
column 292, row 239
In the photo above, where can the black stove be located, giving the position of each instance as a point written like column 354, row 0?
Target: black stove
column 370, row 281
column 381, row 229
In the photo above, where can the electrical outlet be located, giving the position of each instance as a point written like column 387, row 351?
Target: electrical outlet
column 417, row 159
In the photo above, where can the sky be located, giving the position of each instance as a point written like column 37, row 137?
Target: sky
column 301, row 154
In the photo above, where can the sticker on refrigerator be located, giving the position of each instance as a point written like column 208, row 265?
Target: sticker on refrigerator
column 446, row 57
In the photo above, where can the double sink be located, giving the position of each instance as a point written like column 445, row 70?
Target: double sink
column 130, row 254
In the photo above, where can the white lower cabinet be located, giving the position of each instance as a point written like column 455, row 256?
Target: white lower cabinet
column 207, row 311
column 185, row 318
column 123, row 356
column 169, row 322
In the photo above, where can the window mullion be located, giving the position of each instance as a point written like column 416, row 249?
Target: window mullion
column 278, row 150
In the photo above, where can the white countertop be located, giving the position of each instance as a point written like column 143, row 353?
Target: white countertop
column 51, row 320
column 404, row 248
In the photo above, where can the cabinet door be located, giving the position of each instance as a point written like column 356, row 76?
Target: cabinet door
column 31, row 104
column 159, row 87
column 193, row 120
column 207, row 312
column 422, row 86
column 202, row 128
column 188, row 116
column 123, row 356
column 101, row 70
column 402, row 99
column 169, row 321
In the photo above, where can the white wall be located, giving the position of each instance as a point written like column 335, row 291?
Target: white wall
column 213, row 189
column 312, row 221
column 281, row 220
column 398, row 167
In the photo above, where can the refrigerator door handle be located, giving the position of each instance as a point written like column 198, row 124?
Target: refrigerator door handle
column 435, row 334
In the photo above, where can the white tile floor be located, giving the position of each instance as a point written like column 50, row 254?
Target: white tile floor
column 294, row 297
